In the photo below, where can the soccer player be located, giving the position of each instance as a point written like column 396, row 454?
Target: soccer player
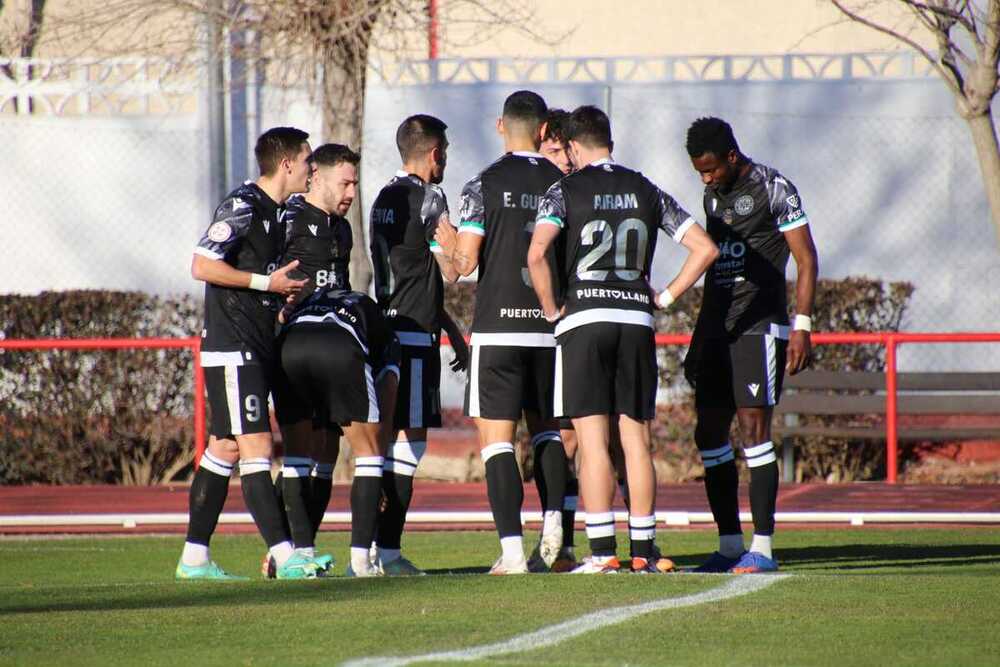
column 341, row 359
column 513, row 349
column 606, row 372
column 319, row 238
column 554, row 146
column 408, row 266
column 741, row 346
column 237, row 258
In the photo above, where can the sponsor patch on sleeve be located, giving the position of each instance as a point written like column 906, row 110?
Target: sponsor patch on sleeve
column 220, row 232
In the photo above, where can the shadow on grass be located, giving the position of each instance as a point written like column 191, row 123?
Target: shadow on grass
column 878, row 556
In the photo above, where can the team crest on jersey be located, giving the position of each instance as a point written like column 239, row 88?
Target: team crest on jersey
column 220, row 232
column 313, row 229
column 728, row 216
column 744, row 205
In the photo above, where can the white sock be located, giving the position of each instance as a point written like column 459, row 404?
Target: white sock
column 194, row 555
column 513, row 548
column 281, row 552
column 359, row 559
column 551, row 518
column 388, row 555
column 308, row 551
column 762, row 545
column 731, row 546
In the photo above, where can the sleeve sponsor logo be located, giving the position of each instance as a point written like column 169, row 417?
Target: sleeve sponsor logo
column 793, row 201
column 220, row 232
column 744, row 205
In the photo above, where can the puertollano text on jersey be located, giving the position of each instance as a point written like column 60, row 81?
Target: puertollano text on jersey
column 617, row 294
column 615, row 201
column 521, row 313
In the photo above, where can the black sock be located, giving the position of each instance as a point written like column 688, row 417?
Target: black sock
column 398, row 490
column 207, row 497
column 763, row 486
column 601, row 533
column 258, row 493
column 366, row 491
column 504, row 487
column 722, row 482
column 319, row 497
column 642, row 535
column 296, row 492
column 551, row 470
column 569, row 510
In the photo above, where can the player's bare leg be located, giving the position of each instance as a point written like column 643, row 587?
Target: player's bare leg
column 402, row 456
column 641, row 479
column 597, row 487
column 755, row 427
column 551, row 471
column 711, row 435
column 505, row 489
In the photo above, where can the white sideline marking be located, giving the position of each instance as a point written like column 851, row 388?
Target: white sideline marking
column 560, row 632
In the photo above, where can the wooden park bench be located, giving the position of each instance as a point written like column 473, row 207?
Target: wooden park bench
column 853, row 393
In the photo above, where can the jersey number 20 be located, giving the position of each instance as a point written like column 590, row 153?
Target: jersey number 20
column 598, row 233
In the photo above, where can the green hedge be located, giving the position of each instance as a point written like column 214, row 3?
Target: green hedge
column 856, row 304
column 101, row 416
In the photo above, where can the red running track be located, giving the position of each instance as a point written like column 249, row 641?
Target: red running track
column 441, row 496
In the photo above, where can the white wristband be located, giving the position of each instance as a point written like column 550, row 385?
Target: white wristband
column 802, row 323
column 551, row 319
column 260, row 282
column 664, row 299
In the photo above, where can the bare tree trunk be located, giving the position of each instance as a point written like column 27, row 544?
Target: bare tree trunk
column 343, row 113
column 984, row 138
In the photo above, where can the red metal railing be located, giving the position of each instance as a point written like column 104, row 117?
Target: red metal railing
column 891, row 341
column 193, row 343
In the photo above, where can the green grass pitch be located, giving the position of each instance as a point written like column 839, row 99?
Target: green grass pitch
column 856, row 597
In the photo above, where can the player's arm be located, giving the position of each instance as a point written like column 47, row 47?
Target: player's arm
column 463, row 246
column 457, row 339
column 702, row 250
column 443, row 258
column 800, row 242
column 231, row 223
column 548, row 225
column 786, row 206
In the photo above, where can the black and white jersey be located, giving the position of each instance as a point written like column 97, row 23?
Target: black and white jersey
column 321, row 242
column 360, row 316
column 609, row 216
column 408, row 282
column 248, row 233
column 745, row 287
column 500, row 204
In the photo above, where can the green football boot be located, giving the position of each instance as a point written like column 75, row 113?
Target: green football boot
column 207, row 572
column 298, row 566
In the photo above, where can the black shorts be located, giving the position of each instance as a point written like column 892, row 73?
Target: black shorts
column 743, row 373
column 606, row 368
column 418, row 400
column 237, row 399
column 506, row 380
column 324, row 377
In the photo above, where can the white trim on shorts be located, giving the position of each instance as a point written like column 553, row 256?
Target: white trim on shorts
column 770, row 354
column 211, row 359
column 232, row 384
column 609, row 315
column 513, row 339
column 474, row 409
column 415, row 338
column 557, row 389
column 373, row 414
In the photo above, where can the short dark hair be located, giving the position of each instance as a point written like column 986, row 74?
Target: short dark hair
column 711, row 135
column 555, row 125
column 330, row 155
column 526, row 107
column 277, row 144
column 589, row 126
column 418, row 135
